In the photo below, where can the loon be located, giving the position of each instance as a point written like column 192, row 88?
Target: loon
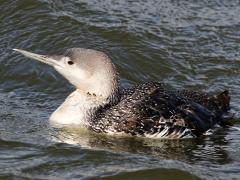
column 146, row 110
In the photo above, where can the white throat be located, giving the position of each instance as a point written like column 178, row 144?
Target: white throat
column 77, row 109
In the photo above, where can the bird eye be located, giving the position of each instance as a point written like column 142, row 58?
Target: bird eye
column 70, row 62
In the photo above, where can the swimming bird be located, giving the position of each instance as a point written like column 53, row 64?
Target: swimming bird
column 148, row 110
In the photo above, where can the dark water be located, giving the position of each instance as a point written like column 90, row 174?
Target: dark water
column 187, row 44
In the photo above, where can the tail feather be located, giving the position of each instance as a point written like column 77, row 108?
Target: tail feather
column 223, row 100
column 223, row 103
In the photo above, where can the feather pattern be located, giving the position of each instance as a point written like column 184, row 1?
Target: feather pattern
column 151, row 110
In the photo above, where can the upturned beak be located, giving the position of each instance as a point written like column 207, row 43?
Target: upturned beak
column 42, row 58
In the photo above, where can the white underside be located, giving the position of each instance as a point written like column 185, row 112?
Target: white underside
column 175, row 135
column 76, row 110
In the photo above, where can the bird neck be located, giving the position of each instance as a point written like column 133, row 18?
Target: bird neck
column 79, row 108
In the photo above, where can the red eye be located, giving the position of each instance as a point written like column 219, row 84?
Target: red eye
column 70, row 62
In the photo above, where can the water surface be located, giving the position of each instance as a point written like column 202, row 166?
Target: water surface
column 186, row 44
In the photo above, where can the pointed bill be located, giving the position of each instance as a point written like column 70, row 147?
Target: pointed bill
column 42, row 58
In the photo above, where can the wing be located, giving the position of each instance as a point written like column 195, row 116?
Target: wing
column 150, row 110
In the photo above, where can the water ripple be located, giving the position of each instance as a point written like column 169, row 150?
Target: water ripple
column 186, row 44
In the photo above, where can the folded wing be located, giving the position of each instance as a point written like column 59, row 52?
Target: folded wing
column 152, row 111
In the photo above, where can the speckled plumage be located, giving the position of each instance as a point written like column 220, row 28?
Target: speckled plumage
column 151, row 110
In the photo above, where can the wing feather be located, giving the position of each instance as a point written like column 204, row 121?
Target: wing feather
column 150, row 110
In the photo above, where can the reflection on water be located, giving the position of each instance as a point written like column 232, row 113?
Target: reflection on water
column 187, row 150
column 186, row 44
